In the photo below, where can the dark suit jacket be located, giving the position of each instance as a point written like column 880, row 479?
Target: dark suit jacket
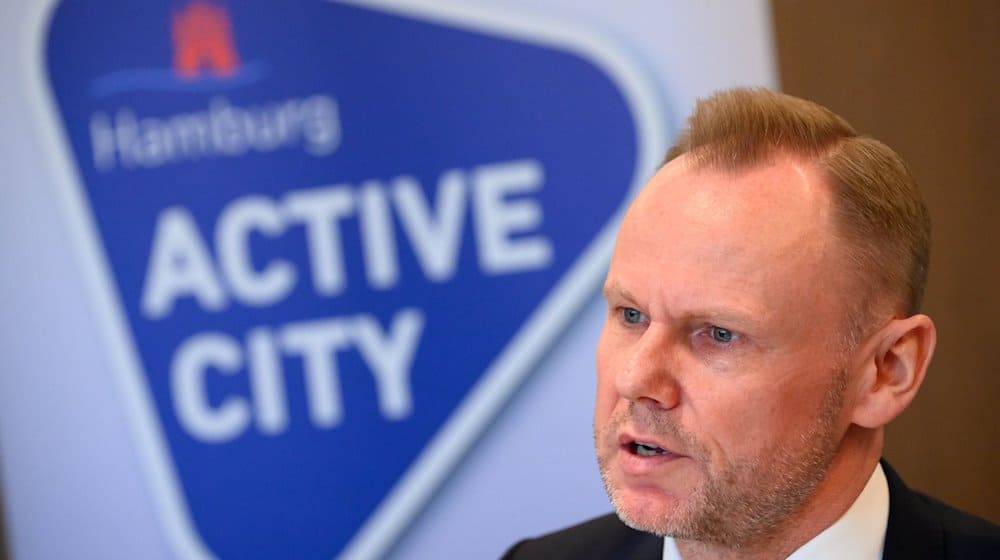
column 920, row 528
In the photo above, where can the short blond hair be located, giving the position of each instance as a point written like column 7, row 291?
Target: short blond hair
column 877, row 205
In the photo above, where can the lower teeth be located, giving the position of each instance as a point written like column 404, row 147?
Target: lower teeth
column 646, row 451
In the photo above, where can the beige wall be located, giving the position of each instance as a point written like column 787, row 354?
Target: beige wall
column 923, row 77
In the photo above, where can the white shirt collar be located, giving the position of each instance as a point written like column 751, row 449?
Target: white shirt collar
column 859, row 533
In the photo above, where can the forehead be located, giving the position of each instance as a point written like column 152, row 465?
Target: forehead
column 781, row 200
column 758, row 233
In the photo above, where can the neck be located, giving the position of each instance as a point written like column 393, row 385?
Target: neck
column 843, row 482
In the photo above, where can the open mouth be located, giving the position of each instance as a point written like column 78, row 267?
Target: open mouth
column 644, row 449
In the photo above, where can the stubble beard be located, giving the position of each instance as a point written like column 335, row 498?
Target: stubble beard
column 746, row 502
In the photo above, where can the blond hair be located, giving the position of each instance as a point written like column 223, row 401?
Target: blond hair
column 877, row 206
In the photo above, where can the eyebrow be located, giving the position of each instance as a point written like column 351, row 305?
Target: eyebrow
column 743, row 317
column 613, row 288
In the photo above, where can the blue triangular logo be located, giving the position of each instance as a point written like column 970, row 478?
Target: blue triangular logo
column 332, row 239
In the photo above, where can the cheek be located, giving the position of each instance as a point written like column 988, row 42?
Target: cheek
column 607, row 394
column 755, row 421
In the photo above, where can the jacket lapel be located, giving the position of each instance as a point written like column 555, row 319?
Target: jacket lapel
column 912, row 533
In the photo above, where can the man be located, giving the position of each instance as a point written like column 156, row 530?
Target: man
column 762, row 330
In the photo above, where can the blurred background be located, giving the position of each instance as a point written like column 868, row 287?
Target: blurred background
column 920, row 76
column 917, row 76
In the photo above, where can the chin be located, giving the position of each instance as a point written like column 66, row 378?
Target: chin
column 647, row 509
column 656, row 516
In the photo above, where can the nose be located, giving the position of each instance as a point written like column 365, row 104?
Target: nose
column 649, row 373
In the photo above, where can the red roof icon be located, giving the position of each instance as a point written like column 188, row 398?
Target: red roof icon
column 203, row 40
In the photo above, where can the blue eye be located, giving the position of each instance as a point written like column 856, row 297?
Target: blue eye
column 631, row 315
column 720, row 334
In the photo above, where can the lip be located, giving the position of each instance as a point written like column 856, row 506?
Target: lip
column 634, row 464
column 627, row 438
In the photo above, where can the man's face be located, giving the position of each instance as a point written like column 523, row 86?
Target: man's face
column 721, row 375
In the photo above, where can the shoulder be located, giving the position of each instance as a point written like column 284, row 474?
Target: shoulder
column 602, row 537
column 921, row 526
column 965, row 535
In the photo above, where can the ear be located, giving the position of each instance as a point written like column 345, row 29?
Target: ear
column 893, row 370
